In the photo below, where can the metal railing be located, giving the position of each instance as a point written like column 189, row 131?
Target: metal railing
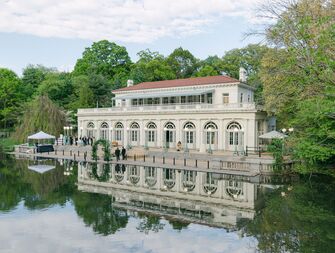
column 171, row 107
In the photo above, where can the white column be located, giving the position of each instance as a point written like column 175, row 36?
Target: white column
column 201, row 138
column 142, row 133
column 250, row 133
column 179, row 132
column 159, row 133
column 220, row 135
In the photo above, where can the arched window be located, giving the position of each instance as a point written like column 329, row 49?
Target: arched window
column 134, row 125
column 90, row 125
column 235, row 133
column 119, row 172
column 234, row 125
column 151, row 125
column 118, row 125
column 169, row 133
column 189, row 129
column 211, row 125
column 169, row 178
column 189, row 125
column 211, row 184
column 151, row 128
column 189, row 178
column 134, row 174
column 134, row 131
column 150, row 176
column 170, row 125
column 118, row 131
column 211, row 129
column 104, row 130
column 90, row 129
column 234, row 189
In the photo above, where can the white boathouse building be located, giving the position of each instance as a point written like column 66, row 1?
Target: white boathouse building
column 204, row 113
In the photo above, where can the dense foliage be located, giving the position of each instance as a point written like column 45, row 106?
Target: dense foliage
column 299, row 79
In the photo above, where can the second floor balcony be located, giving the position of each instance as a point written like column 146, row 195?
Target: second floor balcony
column 173, row 108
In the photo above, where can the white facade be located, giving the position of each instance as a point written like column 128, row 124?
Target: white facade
column 211, row 116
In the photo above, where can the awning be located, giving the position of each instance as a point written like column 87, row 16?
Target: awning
column 41, row 168
column 41, row 136
column 163, row 94
column 273, row 135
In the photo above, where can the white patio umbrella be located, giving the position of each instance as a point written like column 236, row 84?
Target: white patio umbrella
column 273, row 135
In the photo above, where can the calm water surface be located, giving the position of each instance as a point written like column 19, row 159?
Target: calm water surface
column 74, row 207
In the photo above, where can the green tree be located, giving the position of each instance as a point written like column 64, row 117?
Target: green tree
column 298, row 75
column 11, row 96
column 103, row 58
column 249, row 58
column 182, row 62
column 83, row 96
column 40, row 114
column 101, row 88
column 59, row 88
column 299, row 221
column 32, row 77
column 151, row 66
column 206, row 70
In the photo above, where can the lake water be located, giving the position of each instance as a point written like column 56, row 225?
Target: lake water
column 62, row 206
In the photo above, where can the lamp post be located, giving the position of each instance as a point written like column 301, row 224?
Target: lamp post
column 186, row 130
column 146, row 138
column 284, row 130
column 165, row 139
column 210, row 151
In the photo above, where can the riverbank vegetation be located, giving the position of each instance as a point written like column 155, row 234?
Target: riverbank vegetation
column 293, row 73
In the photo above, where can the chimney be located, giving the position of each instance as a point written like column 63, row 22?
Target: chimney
column 130, row 83
column 243, row 75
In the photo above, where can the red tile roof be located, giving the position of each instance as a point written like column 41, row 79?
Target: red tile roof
column 180, row 83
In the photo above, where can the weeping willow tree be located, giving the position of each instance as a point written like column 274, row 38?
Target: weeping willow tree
column 41, row 114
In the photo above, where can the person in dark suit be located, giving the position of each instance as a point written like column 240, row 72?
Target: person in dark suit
column 117, row 154
column 123, row 152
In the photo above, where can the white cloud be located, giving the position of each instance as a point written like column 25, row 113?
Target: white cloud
column 121, row 20
column 60, row 230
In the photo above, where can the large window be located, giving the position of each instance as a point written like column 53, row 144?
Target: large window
column 104, row 131
column 90, row 129
column 211, row 131
column 151, row 131
column 134, row 131
column 118, row 131
column 209, row 98
column 189, row 129
column 235, row 133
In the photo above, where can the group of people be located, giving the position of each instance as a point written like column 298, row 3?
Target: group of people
column 86, row 140
column 122, row 152
column 70, row 140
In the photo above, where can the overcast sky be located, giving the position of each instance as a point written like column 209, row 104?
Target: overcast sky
column 55, row 33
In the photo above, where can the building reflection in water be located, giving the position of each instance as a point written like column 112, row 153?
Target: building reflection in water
column 200, row 197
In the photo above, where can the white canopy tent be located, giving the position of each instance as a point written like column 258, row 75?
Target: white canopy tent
column 41, row 138
column 273, row 135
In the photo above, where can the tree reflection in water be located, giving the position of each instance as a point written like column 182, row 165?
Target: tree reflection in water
column 97, row 211
column 300, row 220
